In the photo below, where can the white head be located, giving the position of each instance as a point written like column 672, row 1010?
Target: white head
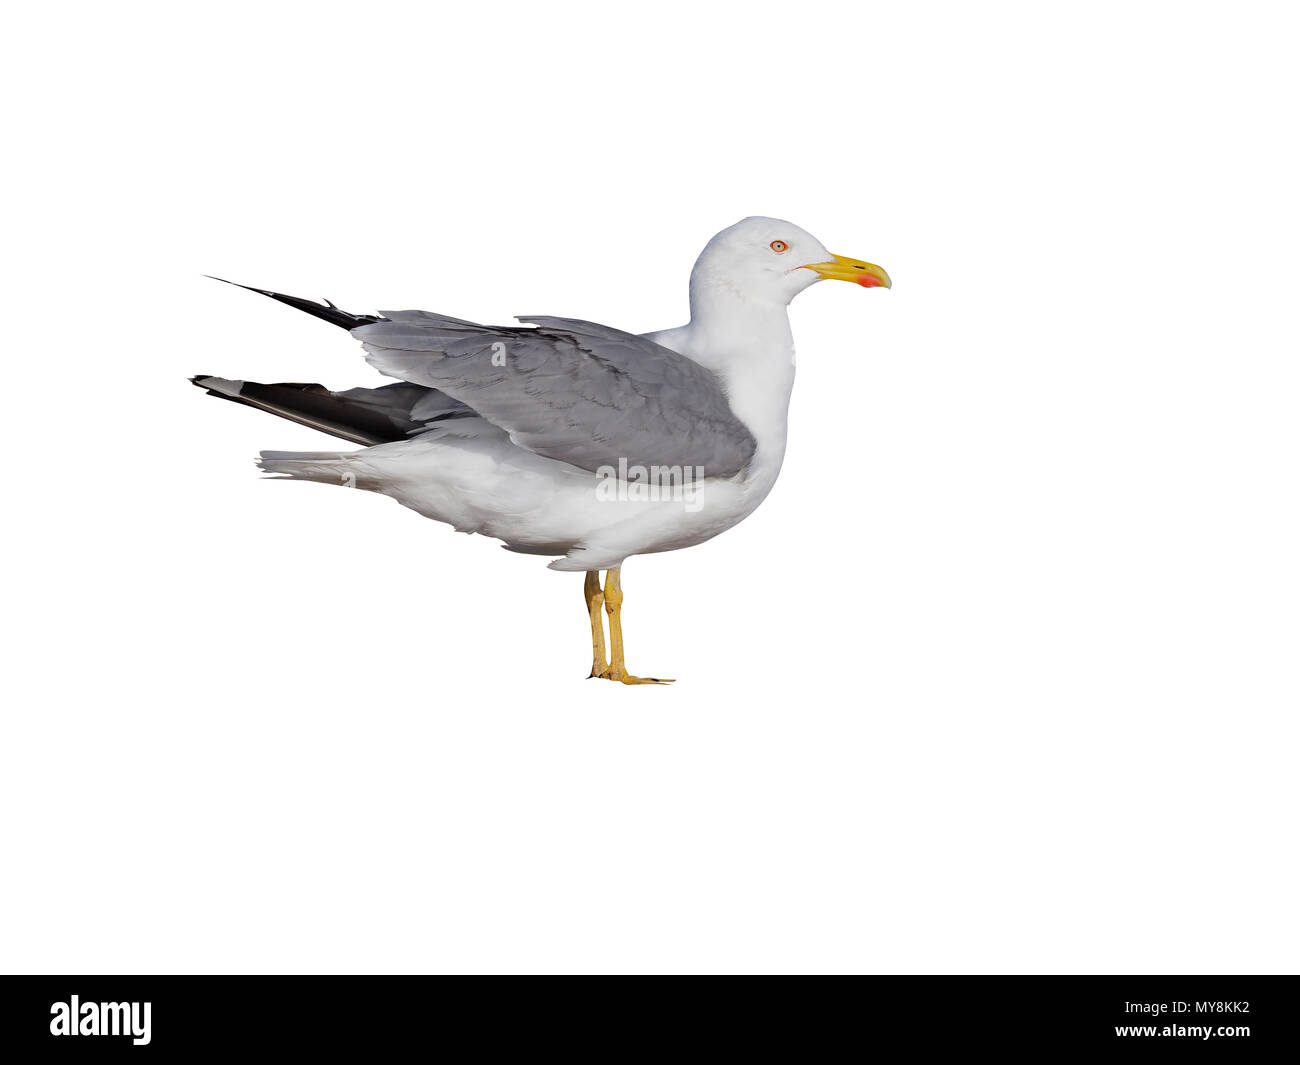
column 769, row 261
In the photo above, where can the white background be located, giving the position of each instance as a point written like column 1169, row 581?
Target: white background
column 1001, row 678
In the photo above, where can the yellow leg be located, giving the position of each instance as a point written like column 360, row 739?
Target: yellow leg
column 595, row 600
column 614, row 606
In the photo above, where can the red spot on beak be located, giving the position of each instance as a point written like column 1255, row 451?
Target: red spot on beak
column 867, row 281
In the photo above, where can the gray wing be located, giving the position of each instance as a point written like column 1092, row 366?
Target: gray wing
column 575, row 391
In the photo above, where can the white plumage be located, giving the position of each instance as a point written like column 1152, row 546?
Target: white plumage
column 514, row 432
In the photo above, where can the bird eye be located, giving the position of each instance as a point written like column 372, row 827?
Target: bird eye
column 779, row 246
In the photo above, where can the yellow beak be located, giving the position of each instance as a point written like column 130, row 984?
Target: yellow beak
column 842, row 268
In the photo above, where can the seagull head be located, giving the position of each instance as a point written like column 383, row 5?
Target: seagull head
column 768, row 260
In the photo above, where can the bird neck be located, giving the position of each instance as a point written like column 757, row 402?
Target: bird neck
column 721, row 314
column 749, row 345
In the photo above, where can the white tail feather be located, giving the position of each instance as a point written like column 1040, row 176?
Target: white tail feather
column 328, row 467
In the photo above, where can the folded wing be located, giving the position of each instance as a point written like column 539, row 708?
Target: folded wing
column 581, row 393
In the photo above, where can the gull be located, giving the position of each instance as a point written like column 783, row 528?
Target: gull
column 568, row 439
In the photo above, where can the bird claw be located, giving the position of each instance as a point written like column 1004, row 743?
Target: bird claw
column 624, row 677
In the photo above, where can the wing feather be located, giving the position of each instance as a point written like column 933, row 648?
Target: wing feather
column 575, row 391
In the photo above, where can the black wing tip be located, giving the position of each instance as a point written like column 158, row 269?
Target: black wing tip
column 249, row 288
column 326, row 311
column 201, row 380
